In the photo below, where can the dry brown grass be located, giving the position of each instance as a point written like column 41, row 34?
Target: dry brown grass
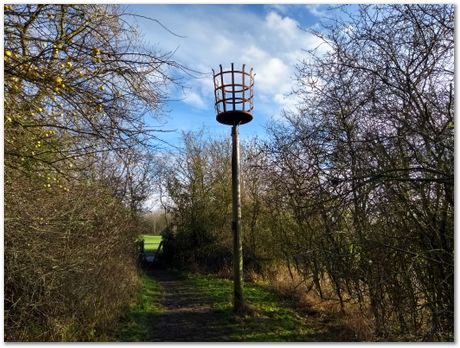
column 353, row 320
column 225, row 272
column 361, row 324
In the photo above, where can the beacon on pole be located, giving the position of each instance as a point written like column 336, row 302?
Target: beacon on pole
column 233, row 91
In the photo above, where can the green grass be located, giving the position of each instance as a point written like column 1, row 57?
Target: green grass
column 136, row 324
column 271, row 320
column 151, row 243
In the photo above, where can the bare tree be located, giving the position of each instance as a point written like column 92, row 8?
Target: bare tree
column 368, row 160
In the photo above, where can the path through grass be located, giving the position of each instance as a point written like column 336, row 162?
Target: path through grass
column 174, row 307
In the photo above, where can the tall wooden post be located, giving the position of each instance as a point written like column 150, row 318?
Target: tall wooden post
column 233, row 91
column 238, row 301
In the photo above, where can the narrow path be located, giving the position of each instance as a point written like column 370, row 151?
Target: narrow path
column 187, row 314
column 197, row 308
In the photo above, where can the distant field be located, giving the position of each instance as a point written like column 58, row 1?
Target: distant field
column 151, row 243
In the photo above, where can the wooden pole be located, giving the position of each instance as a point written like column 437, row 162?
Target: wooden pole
column 238, row 302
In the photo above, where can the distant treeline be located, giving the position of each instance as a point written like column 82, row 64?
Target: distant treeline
column 154, row 222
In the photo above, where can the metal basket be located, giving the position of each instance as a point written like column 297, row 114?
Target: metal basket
column 233, row 91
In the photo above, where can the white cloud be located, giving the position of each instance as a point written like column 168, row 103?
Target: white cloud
column 316, row 10
column 195, row 100
column 272, row 76
column 283, row 26
column 283, row 9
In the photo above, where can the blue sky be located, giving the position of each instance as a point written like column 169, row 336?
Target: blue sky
column 268, row 38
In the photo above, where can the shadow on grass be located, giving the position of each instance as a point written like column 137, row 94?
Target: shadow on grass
column 193, row 308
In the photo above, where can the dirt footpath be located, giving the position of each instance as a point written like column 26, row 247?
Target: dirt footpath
column 187, row 315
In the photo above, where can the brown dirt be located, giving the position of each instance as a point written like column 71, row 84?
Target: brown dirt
column 187, row 315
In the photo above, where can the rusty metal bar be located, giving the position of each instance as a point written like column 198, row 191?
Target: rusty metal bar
column 244, row 88
column 216, row 98
column 223, row 88
column 233, row 88
column 251, row 95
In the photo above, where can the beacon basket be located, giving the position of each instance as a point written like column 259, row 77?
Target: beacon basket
column 233, row 91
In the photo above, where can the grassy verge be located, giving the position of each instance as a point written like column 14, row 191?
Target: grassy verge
column 136, row 324
column 271, row 320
